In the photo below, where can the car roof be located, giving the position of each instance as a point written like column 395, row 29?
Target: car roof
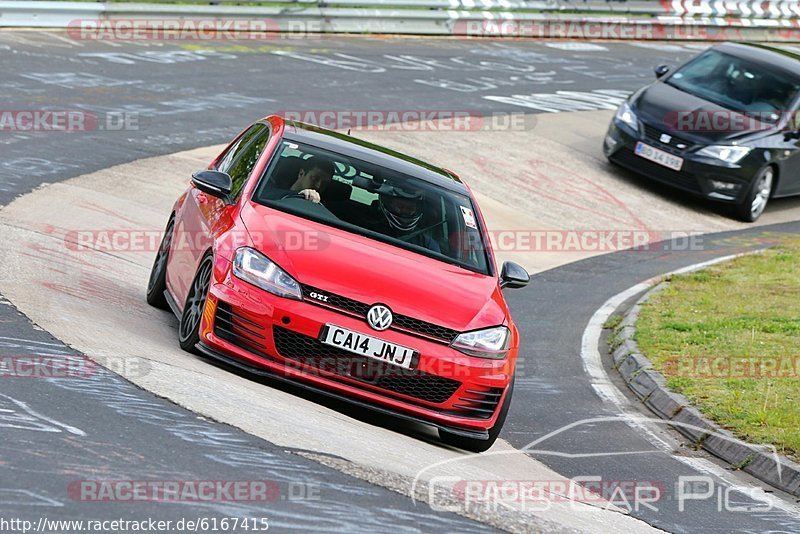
column 783, row 59
column 371, row 153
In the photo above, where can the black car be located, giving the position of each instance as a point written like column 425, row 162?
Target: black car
column 721, row 126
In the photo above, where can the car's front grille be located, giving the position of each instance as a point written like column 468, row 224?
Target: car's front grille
column 335, row 301
column 234, row 327
column 359, row 309
column 412, row 383
column 682, row 179
column 670, row 143
column 478, row 403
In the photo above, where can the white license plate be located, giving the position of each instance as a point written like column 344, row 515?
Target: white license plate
column 659, row 156
column 369, row 346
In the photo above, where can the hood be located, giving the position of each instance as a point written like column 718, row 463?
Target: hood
column 692, row 118
column 370, row 271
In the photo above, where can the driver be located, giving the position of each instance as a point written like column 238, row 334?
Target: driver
column 312, row 179
column 402, row 209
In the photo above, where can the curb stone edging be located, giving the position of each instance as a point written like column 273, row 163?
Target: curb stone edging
column 650, row 386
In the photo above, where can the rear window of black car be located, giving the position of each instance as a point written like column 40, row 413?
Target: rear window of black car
column 738, row 84
column 448, row 228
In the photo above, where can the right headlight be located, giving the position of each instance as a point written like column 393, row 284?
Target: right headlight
column 491, row 343
column 255, row 268
column 626, row 116
column 728, row 154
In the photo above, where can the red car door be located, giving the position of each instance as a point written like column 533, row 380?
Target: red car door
column 203, row 217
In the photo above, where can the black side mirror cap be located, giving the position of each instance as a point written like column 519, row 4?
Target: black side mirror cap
column 788, row 135
column 513, row 276
column 661, row 70
column 215, row 183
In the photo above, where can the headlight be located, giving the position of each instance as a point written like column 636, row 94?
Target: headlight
column 255, row 268
column 626, row 116
column 488, row 343
column 728, row 154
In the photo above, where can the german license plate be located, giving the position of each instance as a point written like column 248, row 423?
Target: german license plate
column 369, row 346
column 659, row 156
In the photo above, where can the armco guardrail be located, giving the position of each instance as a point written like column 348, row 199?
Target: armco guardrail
column 769, row 20
column 753, row 9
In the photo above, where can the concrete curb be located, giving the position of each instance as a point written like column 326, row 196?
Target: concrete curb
column 650, row 386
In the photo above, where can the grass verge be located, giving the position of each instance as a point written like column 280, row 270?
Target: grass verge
column 728, row 338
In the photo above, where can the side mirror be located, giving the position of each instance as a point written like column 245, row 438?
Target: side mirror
column 215, row 183
column 513, row 276
column 790, row 135
column 661, row 70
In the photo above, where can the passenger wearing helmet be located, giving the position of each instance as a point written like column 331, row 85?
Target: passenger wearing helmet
column 401, row 211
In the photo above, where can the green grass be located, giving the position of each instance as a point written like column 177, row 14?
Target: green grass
column 728, row 338
column 613, row 321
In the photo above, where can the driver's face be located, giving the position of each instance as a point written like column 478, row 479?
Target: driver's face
column 315, row 178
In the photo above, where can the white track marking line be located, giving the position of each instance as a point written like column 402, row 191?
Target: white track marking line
column 37, row 415
column 606, row 390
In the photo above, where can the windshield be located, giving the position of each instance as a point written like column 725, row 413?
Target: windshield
column 376, row 202
column 738, row 85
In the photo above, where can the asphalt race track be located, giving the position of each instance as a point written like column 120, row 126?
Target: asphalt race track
column 156, row 99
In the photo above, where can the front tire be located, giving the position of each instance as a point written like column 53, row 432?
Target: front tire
column 158, row 274
column 479, row 445
column 192, row 317
column 757, row 197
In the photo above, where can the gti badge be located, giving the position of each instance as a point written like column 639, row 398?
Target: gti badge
column 665, row 138
column 318, row 296
column 379, row 317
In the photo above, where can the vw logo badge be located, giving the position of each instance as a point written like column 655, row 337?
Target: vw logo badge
column 665, row 138
column 379, row 317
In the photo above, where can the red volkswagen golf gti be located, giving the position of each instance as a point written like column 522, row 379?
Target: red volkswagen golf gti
column 347, row 268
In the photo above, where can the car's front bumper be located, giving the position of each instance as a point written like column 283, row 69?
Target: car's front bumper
column 279, row 336
column 697, row 173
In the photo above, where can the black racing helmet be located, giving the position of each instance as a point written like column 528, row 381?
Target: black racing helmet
column 402, row 207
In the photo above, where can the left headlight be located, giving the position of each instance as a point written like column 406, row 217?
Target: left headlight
column 626, row 116
column 728, row 154
column 255, row 268
column 489, row 343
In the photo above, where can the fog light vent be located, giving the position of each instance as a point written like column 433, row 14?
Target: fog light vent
column 724, row 186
